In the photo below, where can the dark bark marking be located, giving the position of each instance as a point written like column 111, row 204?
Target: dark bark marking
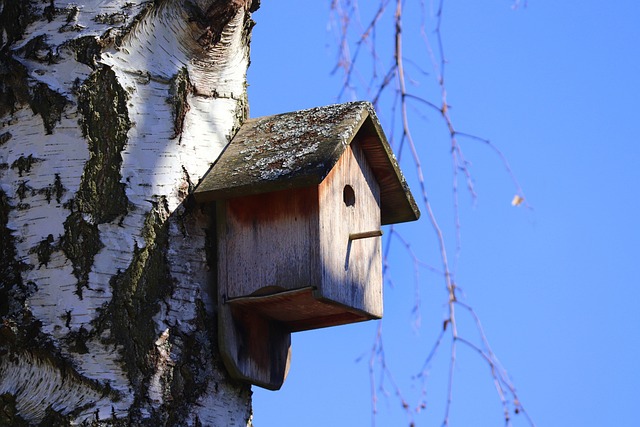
column 105, row 123
column 15, row 16
column 48, row 103
column 179, row 92
column 15, row 92
column 19, row 330
column 23, row 190
column 54, row 418
column 43, row 250
column 70, row 20
column 9, row 413
column 80, row 243
column 24, row 163
column 146, row 9
column 190, row 379
column 50, row 11
column 14, row 87
column 77, row 340
column 5, row 137
column 214, row 20
column 255, row 5
column 86, row 49
column 56, row 189
column 137, row 294
column 111, row 18
column 37, row 49
column 10, row 265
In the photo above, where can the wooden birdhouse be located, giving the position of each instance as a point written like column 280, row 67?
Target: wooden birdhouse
column 300, row 198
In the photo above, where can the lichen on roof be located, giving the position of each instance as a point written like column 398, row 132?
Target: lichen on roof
column 302, row 145
column 299, row 149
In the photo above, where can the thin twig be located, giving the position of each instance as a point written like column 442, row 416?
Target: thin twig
column 402, row 102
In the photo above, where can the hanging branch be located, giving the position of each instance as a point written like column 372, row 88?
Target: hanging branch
column 394, row 80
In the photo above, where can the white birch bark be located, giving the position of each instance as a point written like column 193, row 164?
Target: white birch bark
column 110, row 112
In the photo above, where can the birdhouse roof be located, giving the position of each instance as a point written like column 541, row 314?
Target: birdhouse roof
column 299, row 149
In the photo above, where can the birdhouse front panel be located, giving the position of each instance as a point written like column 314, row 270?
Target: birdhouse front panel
column 268, row 243
column 350, row 235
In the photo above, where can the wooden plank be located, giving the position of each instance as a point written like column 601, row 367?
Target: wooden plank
column 298, row 310
column 352, row 269
column 253, row 348
column 271, row 242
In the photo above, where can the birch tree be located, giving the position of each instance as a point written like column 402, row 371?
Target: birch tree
column 111, row 111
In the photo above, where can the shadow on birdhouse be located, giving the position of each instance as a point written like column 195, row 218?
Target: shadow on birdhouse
column 300, row 199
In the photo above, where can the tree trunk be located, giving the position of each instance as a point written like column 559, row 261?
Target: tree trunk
column 111, row 112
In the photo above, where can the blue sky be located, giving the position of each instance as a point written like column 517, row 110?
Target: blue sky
column 555, row 87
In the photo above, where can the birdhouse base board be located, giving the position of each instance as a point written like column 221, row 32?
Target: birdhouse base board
column 298, row 310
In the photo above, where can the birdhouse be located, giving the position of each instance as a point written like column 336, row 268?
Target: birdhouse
column 300, row 199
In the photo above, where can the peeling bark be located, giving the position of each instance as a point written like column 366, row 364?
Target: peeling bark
column 110, row 112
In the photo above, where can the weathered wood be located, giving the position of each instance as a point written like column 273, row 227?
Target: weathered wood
column 299, row 310
column 299, row 149
column 352, row 270
column 300, row 201
column 254, row 348
column 365, row 235
column 271, row 242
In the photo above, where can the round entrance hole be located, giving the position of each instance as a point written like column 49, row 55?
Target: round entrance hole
column 348, row 195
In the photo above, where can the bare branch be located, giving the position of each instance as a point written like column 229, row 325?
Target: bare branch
column 407, row 103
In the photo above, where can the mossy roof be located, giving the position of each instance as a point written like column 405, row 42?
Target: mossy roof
column 299, row 149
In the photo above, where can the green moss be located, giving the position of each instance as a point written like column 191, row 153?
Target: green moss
column 80, row 243
column 105, row 123
column 101, row 196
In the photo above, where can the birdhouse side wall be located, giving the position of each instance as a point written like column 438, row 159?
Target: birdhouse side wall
column 350, row 204
column 268, row 243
